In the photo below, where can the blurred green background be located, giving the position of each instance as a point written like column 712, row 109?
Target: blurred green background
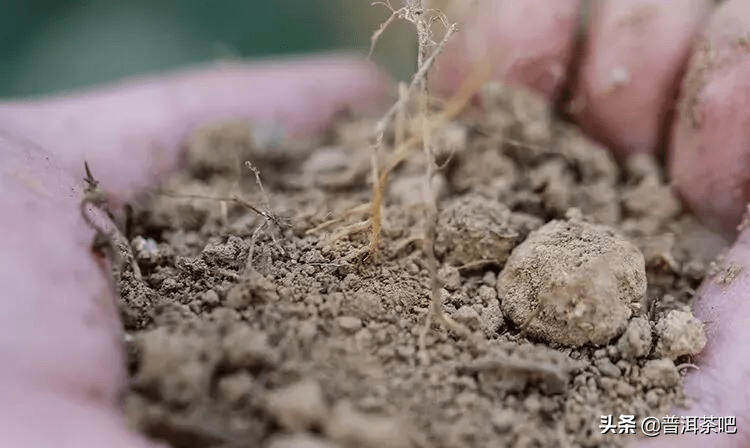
column 48, row 46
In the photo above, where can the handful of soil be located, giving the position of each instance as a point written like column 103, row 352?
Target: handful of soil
column 574, row 277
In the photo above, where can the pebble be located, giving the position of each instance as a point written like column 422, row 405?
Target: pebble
column 349, row 323
column 606, row 367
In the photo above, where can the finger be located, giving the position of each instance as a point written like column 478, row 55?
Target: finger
column 634, row 53
column 60, row 340
column 720, row 386
column 40, row 418
column 132, row 131
column 61, row 357
column 527, row 43
column 710, row 148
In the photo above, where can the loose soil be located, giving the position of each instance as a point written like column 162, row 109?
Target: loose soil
column 574, row 275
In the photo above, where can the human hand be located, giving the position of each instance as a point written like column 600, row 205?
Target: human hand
column 76, row 357
column 60, row 336
column 624, row 86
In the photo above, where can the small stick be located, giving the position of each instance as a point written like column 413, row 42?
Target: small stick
column 686, row 365
column 121, row 251
column 349, row 230
column 413, row 12
column 275, row 219
column 354, row 211
column 383, row 26
column 253, row 240
column 256, row 172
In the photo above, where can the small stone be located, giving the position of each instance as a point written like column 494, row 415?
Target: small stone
column 680, row 333
column 210, row 297
column 446, row 351
column 468, row 316
column 405, row 351
column 451, row 277
column 503, row 420
column 349, row 324
column 247, row 348
column 351, row 427
column 490, row 279
column 652, row 397
column 573, row 283
column 492, row 317
column 636, row 341
column 607, row 385
column 307, row 330
column 624, row 389
column 660, row 373
column 612, row 352
column 606, row 367
column 487, row 294
column 299, row 406
column 235, row 387
column 225, row 253
column 532, row 404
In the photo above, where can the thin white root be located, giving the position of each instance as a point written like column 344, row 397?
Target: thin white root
column 253, row 242
column 403, row 243
column 351, row 229
column 359, row 210
column 122, row 252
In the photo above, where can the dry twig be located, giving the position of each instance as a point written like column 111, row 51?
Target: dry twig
column 264, row 211
column 122, row 253
column 423, row 19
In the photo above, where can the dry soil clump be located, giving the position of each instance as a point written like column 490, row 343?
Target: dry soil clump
column 573, row 283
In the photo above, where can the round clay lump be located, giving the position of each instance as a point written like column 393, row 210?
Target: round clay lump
column 573, row 283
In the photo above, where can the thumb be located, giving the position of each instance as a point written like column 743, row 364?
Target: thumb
column 59, row 340
column 131, row 132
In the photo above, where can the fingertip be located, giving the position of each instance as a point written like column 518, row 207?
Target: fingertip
column 710, row 140
column 527, row 43
column 632, row 58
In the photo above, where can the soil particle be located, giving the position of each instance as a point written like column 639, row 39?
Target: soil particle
column 350, row 324
column 312, row 345
column 300, row 441
column 352, row 428
column 679, row 333
column 573, row 283
column 473, row 229
column 606, row 368
column 727, row 274
column 660, row 373
column 299, row 406
column 636, row 341
column 509, row 368
column 468, row 316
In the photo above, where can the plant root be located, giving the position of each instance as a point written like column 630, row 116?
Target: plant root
column 122, row 252
column 358, row 210
column 351, row 229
